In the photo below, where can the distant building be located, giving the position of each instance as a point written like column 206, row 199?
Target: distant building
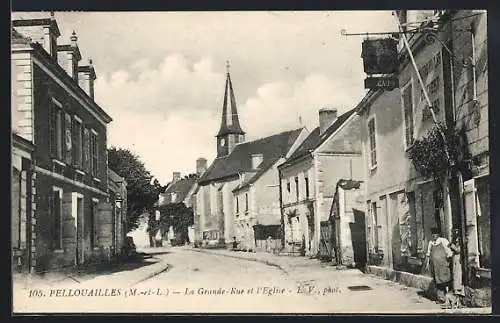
column 64, row 183
column 347, row 219
column 181, row 191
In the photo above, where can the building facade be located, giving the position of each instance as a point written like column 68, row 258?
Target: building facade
column 181, row 191
column 309, row 176
column 403, row 205
column 115, row 227
column 68, row 132
column 348, row 225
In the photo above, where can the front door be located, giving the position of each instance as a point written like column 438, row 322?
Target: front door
column 80, row 236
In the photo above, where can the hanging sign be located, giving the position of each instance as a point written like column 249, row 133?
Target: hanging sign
column 382, row 82
column 380, row 56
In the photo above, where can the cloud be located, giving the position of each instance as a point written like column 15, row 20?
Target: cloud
column 160, row 75
column 169, row 114
column 278, row 106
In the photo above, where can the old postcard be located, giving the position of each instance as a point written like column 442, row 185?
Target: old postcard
column 250, row 162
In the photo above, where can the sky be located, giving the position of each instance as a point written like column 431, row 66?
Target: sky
column 160, row 75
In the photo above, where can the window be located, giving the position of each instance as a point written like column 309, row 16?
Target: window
column 372, row 142
column 306, row 183
column 296, row 188
column 67, row 139
column 94, row 152
column 412, row 222
column 55, row 206
column 173, row 196
column 407, row 102
column 86, row 150
column 288, row 189
column 375, row 226
column 55, row 129
column 246, row 202
column 77, row 142
column 237, row 205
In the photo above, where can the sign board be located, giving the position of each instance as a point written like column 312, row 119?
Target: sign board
column 380, row 56
column 382, row 82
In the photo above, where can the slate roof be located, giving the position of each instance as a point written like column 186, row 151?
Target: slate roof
column 229, row 104
column 314, row 140
column 181, row 189
column 239, row 160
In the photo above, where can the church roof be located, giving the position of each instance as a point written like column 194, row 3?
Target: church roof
column 240, row 159
column 230, row 123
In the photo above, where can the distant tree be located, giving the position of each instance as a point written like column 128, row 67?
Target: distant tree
column 142, row 189
column 178, row 216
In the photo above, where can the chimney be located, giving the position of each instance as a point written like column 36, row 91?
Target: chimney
column 327, row 117
column 201, row 166
column 176, row 177
column 69, row 56
column 86, row 78
column 257, row 160
column 43, row 30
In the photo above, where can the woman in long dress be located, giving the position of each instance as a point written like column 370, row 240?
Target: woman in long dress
column 458, row 287
column 438, row 253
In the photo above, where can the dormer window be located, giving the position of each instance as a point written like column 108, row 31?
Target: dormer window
column 257, row 160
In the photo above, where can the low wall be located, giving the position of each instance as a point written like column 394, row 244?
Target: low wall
column 473, row 297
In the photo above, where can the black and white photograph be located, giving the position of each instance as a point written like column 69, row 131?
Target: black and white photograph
column 300, row 162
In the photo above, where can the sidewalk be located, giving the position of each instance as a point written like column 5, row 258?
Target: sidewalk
column 306, row 269
column 126, row 274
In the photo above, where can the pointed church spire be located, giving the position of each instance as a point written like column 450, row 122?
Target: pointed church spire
column 230, row 123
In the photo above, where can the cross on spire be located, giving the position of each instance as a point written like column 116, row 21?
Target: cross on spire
column 227, row 67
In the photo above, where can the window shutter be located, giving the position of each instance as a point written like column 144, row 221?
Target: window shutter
column 96, row 155
column 86, row 150
column 52, row 129
column 74, row 139
column 471, row 207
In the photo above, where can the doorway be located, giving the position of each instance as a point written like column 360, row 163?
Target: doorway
column 80, row 237
column 358, row 236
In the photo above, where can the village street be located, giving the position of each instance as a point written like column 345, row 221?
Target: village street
column 195, row 280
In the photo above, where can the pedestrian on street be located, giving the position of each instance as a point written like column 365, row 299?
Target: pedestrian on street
column 458, row 287
column 268, row 244
column 438, row 253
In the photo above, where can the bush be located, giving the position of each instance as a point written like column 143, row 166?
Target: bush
column 428, row 154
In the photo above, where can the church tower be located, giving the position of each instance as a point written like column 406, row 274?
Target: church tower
column 230, row 132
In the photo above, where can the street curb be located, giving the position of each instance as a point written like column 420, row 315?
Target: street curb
column 165, row 267
column 266, row 262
